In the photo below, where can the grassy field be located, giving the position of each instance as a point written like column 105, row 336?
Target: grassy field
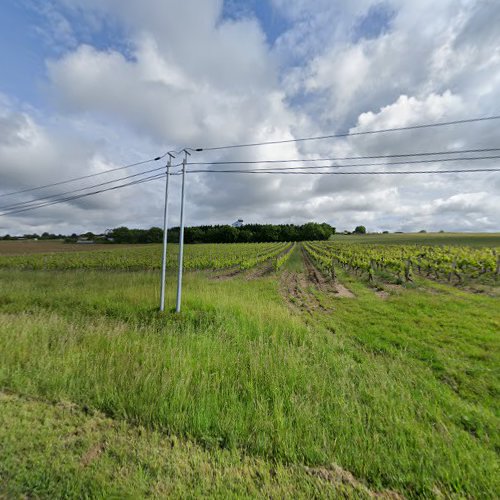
column 267, row 384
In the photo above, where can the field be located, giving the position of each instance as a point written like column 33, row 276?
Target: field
column 469, row 239
column 28, row 247
column 278, row 379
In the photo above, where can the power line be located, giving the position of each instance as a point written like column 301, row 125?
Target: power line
column 304, row 160
column 35, row 201
column 354, row 165
column 60, row 183
column 389, row 172
column 71, row 198
column 350, row 134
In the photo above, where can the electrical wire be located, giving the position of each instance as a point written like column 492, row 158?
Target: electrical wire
column 74, row 179
column 354, row 165
column 77, row 197
column 389, row 172
column 350, row 134
column 271, row 172
column 402, row 155
column 47, row 198
column 35, row 201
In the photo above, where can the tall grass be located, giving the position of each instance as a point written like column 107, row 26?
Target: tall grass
column 374, row 387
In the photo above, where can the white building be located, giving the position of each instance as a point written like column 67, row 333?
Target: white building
column 238, row 223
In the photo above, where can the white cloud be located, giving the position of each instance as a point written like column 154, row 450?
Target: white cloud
column 190, row 77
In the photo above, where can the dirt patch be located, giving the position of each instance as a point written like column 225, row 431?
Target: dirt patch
column 92, row 454
column 341, row 291
column 261, row 270
column 322, row 283
column 480, row 289
column 314, row 276
column 224, row 274
column 299, row 288
column 256, row 272
column 337, row 475
column 295, row 287
column 388, row 289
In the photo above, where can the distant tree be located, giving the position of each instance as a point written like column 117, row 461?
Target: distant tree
column 244, row 236
column 385, row 232
column 360, row 230
column 120, row 235
column 173, row 234
column 228, row 234
column 225, row 233
column 154, row 235
column 268, row 232
column 194, row 235
column 313, row 231
column 422, row 231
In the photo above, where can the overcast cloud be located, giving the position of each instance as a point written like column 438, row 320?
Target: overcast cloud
column 122, row 81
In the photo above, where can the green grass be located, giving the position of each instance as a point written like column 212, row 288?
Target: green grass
column 295, row 263
column 58, row 451
column 402, row 392
column 468, row 239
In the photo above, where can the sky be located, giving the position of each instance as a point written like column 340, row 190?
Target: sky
column 87, row 86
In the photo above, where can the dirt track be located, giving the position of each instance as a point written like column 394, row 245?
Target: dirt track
column 301, row 289
column 322, row 283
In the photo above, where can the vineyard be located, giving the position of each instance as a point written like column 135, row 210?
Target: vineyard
column 312, row 372
column 454, row 264
column 402, row 262
column 148, row 258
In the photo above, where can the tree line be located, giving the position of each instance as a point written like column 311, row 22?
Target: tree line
column 255, row 233
column 249, row 233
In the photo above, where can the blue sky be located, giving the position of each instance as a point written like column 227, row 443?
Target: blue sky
column 91, row 84
column 271, row 19
column 21, row 53
column 29, row 37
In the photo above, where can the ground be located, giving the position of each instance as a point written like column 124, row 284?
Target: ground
column 268, row 384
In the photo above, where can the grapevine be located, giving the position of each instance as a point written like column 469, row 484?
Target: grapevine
column 402, row 261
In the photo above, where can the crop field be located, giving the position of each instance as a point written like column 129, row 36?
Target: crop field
column 360, row 367
column 148, row 257
column 28, row 247
column 447, row 239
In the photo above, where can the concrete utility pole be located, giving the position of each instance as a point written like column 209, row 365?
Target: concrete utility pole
column 165, row 228
column 181, row 236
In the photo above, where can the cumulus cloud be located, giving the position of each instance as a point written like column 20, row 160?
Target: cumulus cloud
column 183, row 75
